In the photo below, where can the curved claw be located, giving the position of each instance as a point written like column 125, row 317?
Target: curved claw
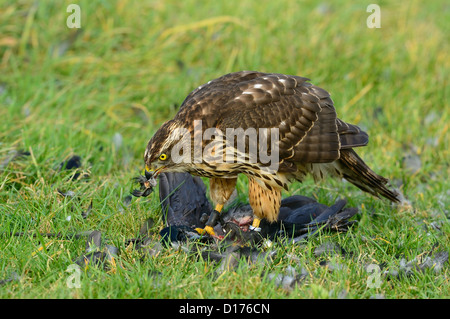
column 208, row 229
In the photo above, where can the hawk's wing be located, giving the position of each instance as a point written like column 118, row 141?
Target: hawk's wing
column 304, row 114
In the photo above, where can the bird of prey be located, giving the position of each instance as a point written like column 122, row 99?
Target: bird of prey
column 308, row 139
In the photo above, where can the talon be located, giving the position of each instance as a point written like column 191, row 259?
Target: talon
column 207, row 229
column 212, row 221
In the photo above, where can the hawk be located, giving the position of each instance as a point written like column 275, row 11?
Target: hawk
column 309, row 139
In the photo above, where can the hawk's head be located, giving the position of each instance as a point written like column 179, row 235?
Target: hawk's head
column 158, row 154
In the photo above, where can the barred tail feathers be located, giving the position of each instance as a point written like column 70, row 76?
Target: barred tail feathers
column 353, row 169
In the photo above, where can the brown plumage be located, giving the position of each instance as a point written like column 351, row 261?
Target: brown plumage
column 311, row 140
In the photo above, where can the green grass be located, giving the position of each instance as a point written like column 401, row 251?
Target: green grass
column 128, row 71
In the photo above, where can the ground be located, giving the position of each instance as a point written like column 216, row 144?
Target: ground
column 102, row 90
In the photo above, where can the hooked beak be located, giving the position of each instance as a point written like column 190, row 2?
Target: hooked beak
column 152, row 172
column 148, row 172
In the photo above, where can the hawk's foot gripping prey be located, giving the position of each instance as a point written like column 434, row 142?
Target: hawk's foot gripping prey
column 212, row 221
column 273, row 128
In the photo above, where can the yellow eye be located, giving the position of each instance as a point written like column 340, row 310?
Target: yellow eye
column 163, row 157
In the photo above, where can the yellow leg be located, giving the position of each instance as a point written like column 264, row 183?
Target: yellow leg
column 255, row 224
column 208, row 228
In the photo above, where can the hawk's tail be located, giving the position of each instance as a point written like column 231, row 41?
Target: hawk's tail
column 353, row 169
